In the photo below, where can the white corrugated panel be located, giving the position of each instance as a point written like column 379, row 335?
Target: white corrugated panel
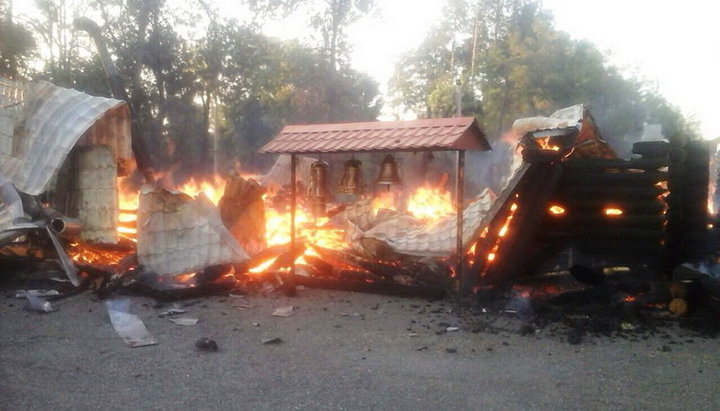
column 51, row 122
column 97, row 194
column 178, row 234
column 407, row 235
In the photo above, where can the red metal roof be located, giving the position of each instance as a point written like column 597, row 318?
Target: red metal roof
column 457, row 133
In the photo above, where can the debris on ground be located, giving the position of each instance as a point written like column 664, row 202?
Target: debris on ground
column 283, row 312
column 206, row 344
column 187, row 321
column 36, row 293
column 272, row 341
column 38, row 304
column 172, row 311
column 129, row 326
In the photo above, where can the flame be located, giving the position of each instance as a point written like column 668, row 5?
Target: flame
column 128, row 201
column 313, row 231
column 556, row 210
column 612, row 211
column 502, row 232
column 383, row 200
column 430, row 204
column 263, row 265
column 214, row 190
column 544, row 143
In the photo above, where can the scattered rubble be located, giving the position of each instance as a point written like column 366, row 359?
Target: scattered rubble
column 129, row 326
column 186, row 321
column 206, row 344
column 283, row 312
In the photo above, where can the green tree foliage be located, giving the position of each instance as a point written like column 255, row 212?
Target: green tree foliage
column 514, row 63
column 17, row 45
column 196, row 79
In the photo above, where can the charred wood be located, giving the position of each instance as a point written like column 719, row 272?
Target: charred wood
column 611, row 193
column 594, row 165
column 614, row 179
column 651, row 149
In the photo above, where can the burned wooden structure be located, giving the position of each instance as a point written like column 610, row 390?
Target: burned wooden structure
column 573, row 194
column 448, row 134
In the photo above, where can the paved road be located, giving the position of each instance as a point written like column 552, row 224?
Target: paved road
column 339, row 351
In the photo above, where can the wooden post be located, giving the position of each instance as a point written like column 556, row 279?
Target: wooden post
column 459, row 206
column 293, row 205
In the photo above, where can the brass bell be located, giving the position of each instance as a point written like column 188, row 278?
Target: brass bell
column 351, row 182
column 388, row 172
column 317, row 189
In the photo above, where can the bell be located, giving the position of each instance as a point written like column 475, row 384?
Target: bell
column 351, row 182
column 317, row 189
column 388, row 172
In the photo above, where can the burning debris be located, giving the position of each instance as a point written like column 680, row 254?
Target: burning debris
column 407, row 231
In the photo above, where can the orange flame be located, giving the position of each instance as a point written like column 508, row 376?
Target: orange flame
column 214, row 190
column 612, row 211
column 430, row 204
column 556, row 210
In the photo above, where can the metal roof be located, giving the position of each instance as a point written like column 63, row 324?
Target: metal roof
column 457, row 133
column 178, row 234
column 51, row 121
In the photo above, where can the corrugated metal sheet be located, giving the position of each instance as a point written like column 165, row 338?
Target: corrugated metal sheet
column 406, row 235
column 11, row 98
column 458, row 133
column 569, row 117
column 97, row 194
column 51, row 122
column 178, row 234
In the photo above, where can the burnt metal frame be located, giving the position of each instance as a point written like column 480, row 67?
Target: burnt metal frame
column 459, row 209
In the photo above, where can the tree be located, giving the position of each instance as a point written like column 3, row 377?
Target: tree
column 17, row 45
column 331, row 21
column 513, row 63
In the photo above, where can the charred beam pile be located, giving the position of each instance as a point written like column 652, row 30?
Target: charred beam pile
column 687, row 216
column 613, row 208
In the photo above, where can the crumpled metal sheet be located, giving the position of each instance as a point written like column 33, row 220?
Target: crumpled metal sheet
column 409, row 236
column 11, row 98
column 51, row 122
column 563, row 118
column 178, row 234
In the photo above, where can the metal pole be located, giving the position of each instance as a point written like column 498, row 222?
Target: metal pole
column 459, row 206
column 293, row 199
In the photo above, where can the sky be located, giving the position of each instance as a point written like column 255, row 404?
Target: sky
column 674, row 45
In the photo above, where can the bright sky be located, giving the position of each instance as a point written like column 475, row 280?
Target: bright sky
column 675, row 44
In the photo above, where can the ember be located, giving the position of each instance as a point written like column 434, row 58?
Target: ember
column 556, row 210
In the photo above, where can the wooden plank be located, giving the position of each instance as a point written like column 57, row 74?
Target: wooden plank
column 513, row 249
column 632, row 206
column 584, row 165
column 619, row 192
column 651, row 149
column 614, row 179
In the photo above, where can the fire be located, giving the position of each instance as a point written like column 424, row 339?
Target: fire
column 263, row 266
column 612, row 211
column 128, row 201
column 313, row 231
column 383, row 200
column 430, row 204
column 214, row 190
column 556, row 210
column 502, row 232
column 545, row 144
